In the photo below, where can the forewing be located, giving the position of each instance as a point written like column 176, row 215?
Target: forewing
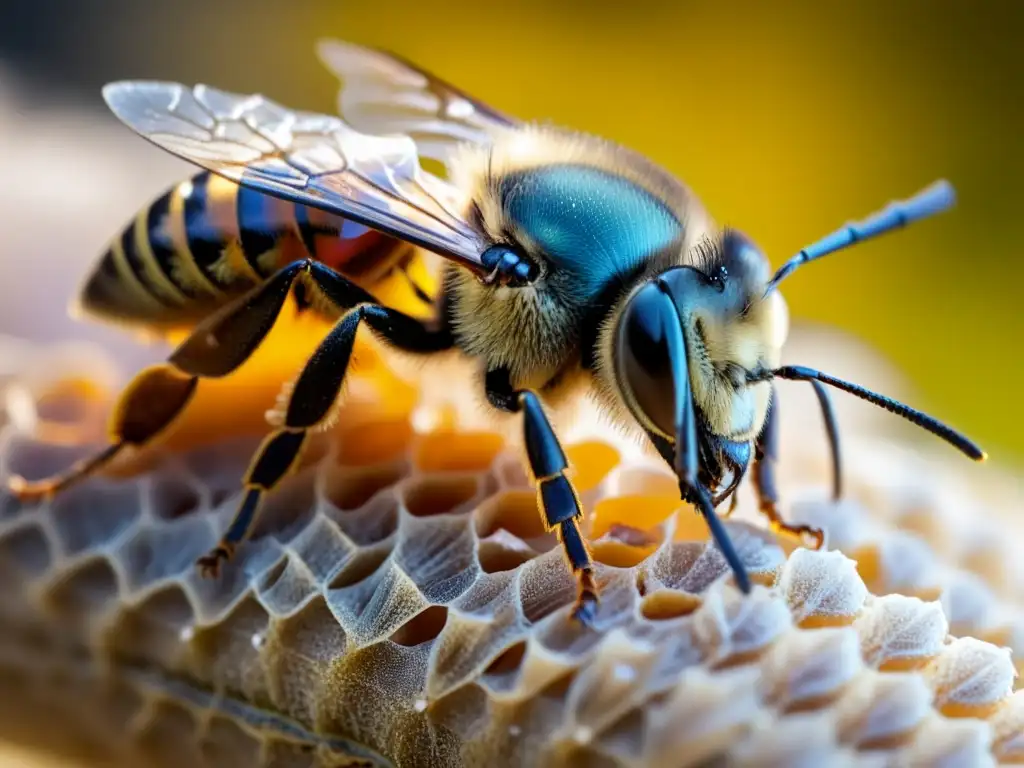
column 383, row 94
column 307, row 158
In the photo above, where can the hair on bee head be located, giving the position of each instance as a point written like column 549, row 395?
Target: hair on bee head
column 933, row 199
column 706, row 255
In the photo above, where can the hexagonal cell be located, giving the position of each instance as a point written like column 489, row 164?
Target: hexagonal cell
column 590, row 463
column 515, row 512
column 156, row 552
column 350, row 488
column 285, row 587
column 665, row 604
column 624, row 546
column 173, row 495
column 438, row 555
column 502, row 552
column 81, row 596
column 372, row 444
column 450, row 451
column 645, row 482
column 288, row 508
column 95, row 514
column 226, row 655
column 153, row 631
column 26, row 548
column 431, row 495
column 421, row 628
column 363, row 564
column 633, row 513
column 501, row 674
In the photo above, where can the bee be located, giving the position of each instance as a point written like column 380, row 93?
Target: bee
column 567, row 261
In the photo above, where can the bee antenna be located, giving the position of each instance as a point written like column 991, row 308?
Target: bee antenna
column 936, row 427
column 931, row 200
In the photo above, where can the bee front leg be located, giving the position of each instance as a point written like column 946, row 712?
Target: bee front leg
column 313, row 398
column 766, row 452
column 828, row 415
column 158, row 395
column 692, row 491
column 557, row 500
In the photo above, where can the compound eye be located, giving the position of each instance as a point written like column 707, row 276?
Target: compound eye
column 642, row 359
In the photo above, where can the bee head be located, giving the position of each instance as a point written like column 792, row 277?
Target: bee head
column 699, row 343
column 726, row 331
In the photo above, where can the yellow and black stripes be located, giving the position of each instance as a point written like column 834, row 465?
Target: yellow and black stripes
column 208, row 240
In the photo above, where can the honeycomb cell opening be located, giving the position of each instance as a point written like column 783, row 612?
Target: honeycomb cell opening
column 508, row 661
column 362, row 566
column 351, row 489
column 424, row 627
column 28, row 549
column 85, row 591
column 450, row 451
column 288, row 508
column 667, row 604
column 372, row 443
column 171, row 497
column 495, row 556
column 432, row 495
column 512, row 511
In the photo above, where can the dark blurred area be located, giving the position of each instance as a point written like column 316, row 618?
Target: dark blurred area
column 788, row 119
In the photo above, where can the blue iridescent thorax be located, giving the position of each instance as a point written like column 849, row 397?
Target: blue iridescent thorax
column 590, row 223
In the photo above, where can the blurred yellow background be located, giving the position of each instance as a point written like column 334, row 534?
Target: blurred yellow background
column 787, row 118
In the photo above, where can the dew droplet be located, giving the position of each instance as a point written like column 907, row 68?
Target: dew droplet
column 186, row 634
column 583, row 734
column 420, row 705
column 257, row 641
column 623, row 672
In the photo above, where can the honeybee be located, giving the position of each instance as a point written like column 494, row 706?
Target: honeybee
column 567, row 260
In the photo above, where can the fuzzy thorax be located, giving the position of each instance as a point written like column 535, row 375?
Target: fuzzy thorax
column 536, row 331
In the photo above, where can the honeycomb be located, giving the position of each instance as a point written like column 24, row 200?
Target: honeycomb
column 401, row 605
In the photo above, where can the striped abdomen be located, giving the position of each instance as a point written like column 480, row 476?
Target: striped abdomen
column 208, row 240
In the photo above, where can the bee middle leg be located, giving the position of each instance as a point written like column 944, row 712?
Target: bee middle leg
column 557, row 499
column 313, row 397
column 158, row 395
column 766, row 452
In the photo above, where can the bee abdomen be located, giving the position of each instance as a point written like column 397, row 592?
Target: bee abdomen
column 208, row 240
column 148, row 275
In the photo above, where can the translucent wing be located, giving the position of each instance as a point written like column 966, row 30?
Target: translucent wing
column 312, row 159
column 383, row 94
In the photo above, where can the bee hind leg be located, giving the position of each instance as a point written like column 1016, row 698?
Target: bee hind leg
column 766, row 452
column 158, row 395
column 147, row 407
column 557, row 499
column 314, row 395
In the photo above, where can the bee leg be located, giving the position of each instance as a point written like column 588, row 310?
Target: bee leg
column 766, row 452
column 556, row 497
column 148, row 405
column 734, row 458
column 313, row 397
column 157, row 396
column 832, row 429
